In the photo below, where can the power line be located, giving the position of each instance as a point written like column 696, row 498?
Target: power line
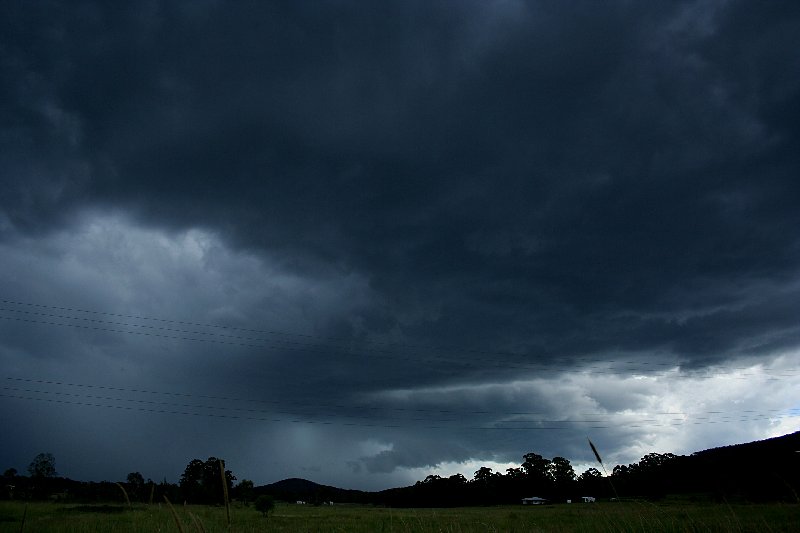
column 263, row 419
column 143, row 326
column 245, row 342
column 274, row 402
column 260, row 331
column 165, row 320
column 743, row 415
column 205, row 407
column 462, row 362
column 307, row 346
column 565, row 424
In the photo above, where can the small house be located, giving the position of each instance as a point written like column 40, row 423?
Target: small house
column 534, row 500
column 588, row 499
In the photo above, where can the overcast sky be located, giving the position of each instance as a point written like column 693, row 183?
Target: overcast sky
column 362, row 242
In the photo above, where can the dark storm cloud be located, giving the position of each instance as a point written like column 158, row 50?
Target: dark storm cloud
column 457, row 191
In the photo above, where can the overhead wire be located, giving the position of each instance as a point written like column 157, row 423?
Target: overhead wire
column 307, row 346
column 563, row 425
column 165, row 330
column 510, row 418
column 318, row 404
column 261, row 331
column 602, row 366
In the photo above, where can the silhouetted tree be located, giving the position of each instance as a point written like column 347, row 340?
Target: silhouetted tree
column 483, row 475
column 515, row 473
column 620, row 471
column 560, row 470
column 457, row 479
column 562, row 475
column 649, row 475
column 43, row 472
column 201, row 481
column 135, row 479
column 135, row 486
column 43, row 466
column 590, row 474
column 537, row 474
column 591, row 483
column 264, row 504
column 192, row 480
column 243, row 491
column 654, row 461
column 487, row 487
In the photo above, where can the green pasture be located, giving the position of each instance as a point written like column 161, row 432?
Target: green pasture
column 603, row 516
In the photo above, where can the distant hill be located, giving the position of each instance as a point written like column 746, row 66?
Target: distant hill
column 766, row 470
column 296, row 489
column 761, row 470
column 296, row 484
column 768, row 449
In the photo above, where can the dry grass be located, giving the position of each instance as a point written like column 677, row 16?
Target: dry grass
column 589, row 518
column 124, row 493
column 174, row 515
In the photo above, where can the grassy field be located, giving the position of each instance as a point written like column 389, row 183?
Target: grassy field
column 627, row 516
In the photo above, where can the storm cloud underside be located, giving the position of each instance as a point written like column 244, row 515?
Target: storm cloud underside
column 359, row 243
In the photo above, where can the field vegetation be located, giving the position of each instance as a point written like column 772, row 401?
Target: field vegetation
column 602, row 516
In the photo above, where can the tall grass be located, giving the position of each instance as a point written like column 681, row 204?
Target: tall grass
column 22, row 522
column 669, row 516
column 600, row 460
column 174, row 515
column 124, row 493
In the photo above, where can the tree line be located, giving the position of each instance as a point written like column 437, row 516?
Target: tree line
column 759, row 471
column 551, row 479
column 200, row 483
